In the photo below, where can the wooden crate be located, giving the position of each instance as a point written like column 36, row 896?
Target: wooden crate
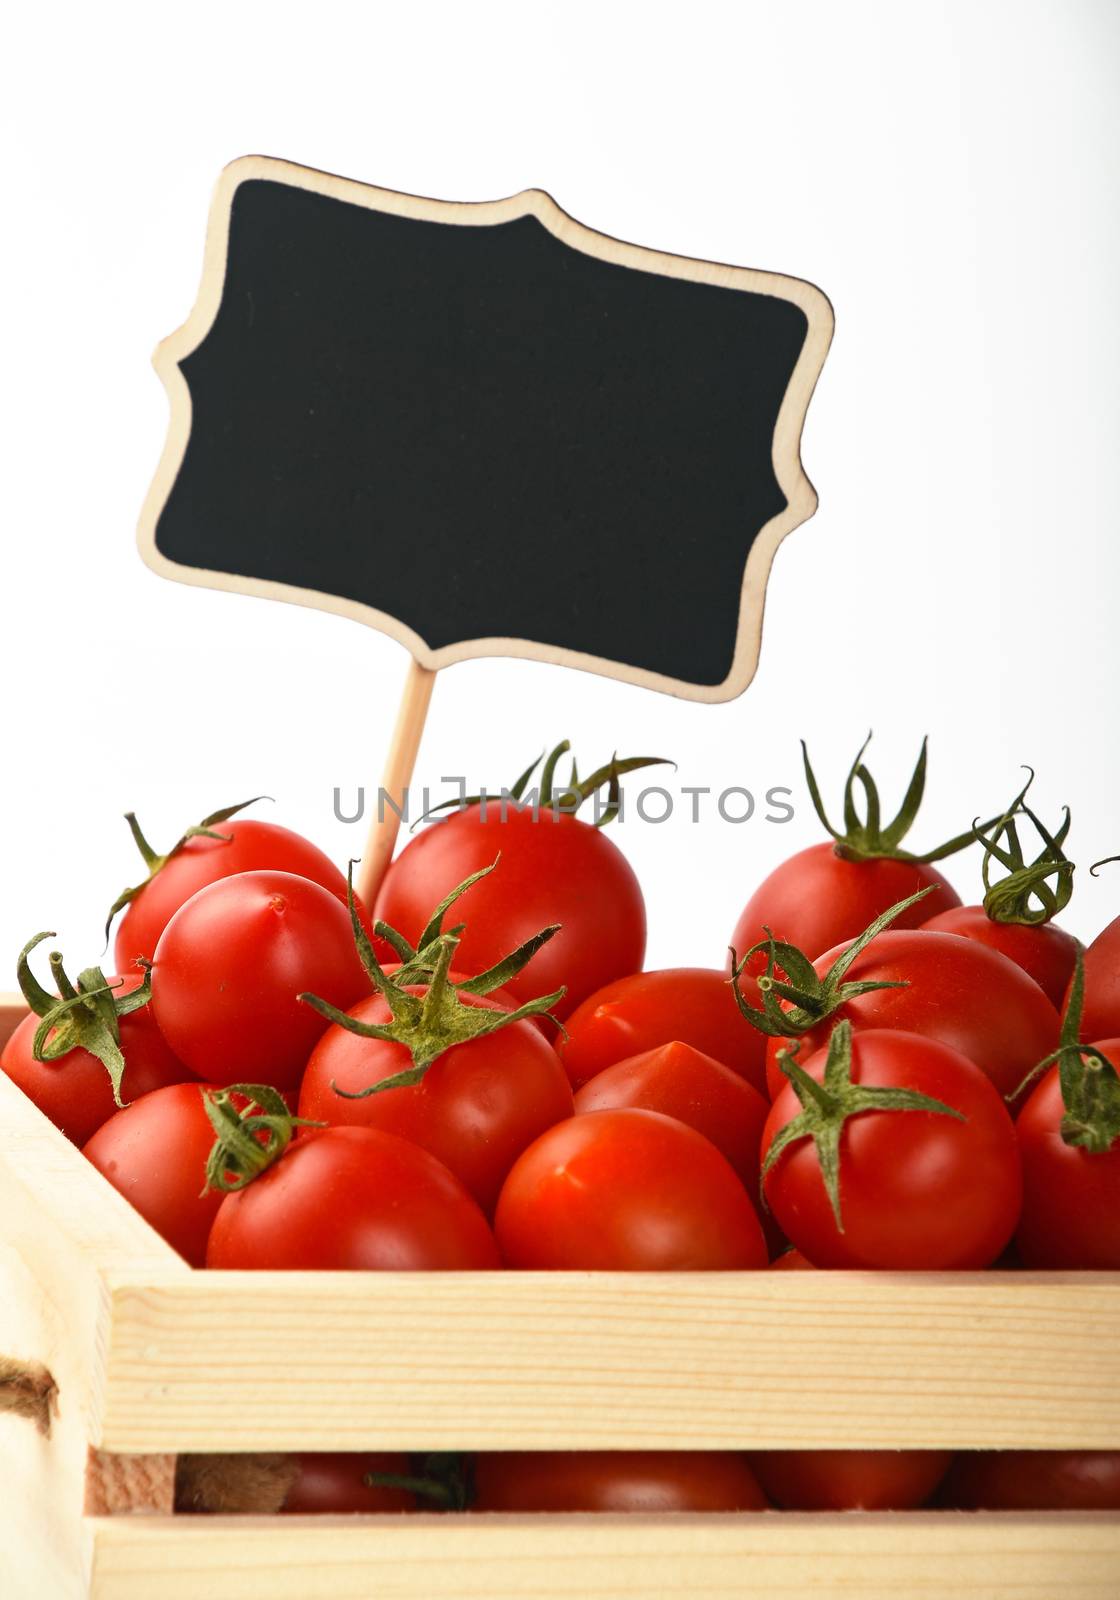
column 152, row 1358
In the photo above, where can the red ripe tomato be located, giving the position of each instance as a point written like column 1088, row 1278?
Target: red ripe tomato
column 554, row 869
column 476, row 1108
column 75, row 1092
column 684, row 1083
column 819, row 898
column 850, row 1480
column 957, row 991
column 1033, row 1480
column 626, row 1191
column 154, row 1152
column 353, row 1199
column 335, row 1484
column 1100, row 1015
column 791, row 1261
column 250, row 847
column 230, row 965
column 919, row 1190
column 1071, row 1196
column 615, row 1480
column 693, row 1005
column 1043, row 950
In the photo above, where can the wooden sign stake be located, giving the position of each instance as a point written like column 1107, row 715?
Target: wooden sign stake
column 399, row 767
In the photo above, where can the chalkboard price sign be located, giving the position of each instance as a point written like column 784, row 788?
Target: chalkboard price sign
column 485, row 429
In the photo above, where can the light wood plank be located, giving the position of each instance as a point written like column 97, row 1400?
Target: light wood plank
column 774, row 1556
column 44, row 1549
column 600, row 1361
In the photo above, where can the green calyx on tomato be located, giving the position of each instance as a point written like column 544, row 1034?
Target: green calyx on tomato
column 868, row 839
column 827, row 1106
column 433, row 1022
column 566, row 799
column 250, row 1139
column 1089, row 1082
column 442, row 1479
column 86, row 1014
column 155, row 862
column 811, row 998
column 1025, row 896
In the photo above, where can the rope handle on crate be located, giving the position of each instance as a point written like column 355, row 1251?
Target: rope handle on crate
column 27, row 1389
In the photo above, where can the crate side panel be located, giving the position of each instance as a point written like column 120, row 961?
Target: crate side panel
column 44, row 1545
column 599, row 1361
column 772, row 1556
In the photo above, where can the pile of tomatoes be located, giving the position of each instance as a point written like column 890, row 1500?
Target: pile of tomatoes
column 656, row 1481
column 478, row 1074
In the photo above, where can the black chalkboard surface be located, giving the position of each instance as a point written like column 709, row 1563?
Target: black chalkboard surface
column 485, row 429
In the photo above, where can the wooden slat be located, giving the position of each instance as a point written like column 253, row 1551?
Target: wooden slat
column 261, row 1361
column 770, row 1557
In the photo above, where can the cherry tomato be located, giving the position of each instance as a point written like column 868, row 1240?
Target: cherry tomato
column 686, row 1084
column 1033, row 1480
column 919, row 1190
column 1071, row 1196
column 626, row 1191
column 1100, row 1015
column 850, row 1480
column 554, row 869
column 791, row 1261
column 75, row 1092
column 230, row 965
column 819, row 898
column 615, row 1480
column 334, row 1483
column 353, row 1199
column 957, row 991
column 476, row 1108
column 251, row 847
column 1043, row 950
column 693, row 1005
column 154, row 1152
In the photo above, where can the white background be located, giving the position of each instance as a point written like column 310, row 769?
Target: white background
column 947, row 173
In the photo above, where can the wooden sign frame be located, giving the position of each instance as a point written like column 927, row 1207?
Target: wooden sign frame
column 798, row 491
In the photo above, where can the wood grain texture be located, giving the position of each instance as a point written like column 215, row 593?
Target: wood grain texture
column 772, row 1556
column 602, row 1360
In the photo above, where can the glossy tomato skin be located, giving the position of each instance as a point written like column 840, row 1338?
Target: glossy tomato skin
column 1033, row 1480
column 626, row 1191
column 1045, row 952
column 684, row 1083
column 919, row 1191
column 231, row 964
column 1071, row 1196
column 253, row 847
column 958, row 992
column 850, row 1480
column 1100, row 1014
column 693, row 1005
column 332, row 1483
column 476, row 1108
column 154, row 1152
column 353, row 1199
column 818, row 899
column 791, row 1261
column 552, row 870
column 615, row 1480
column 74, row 1092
